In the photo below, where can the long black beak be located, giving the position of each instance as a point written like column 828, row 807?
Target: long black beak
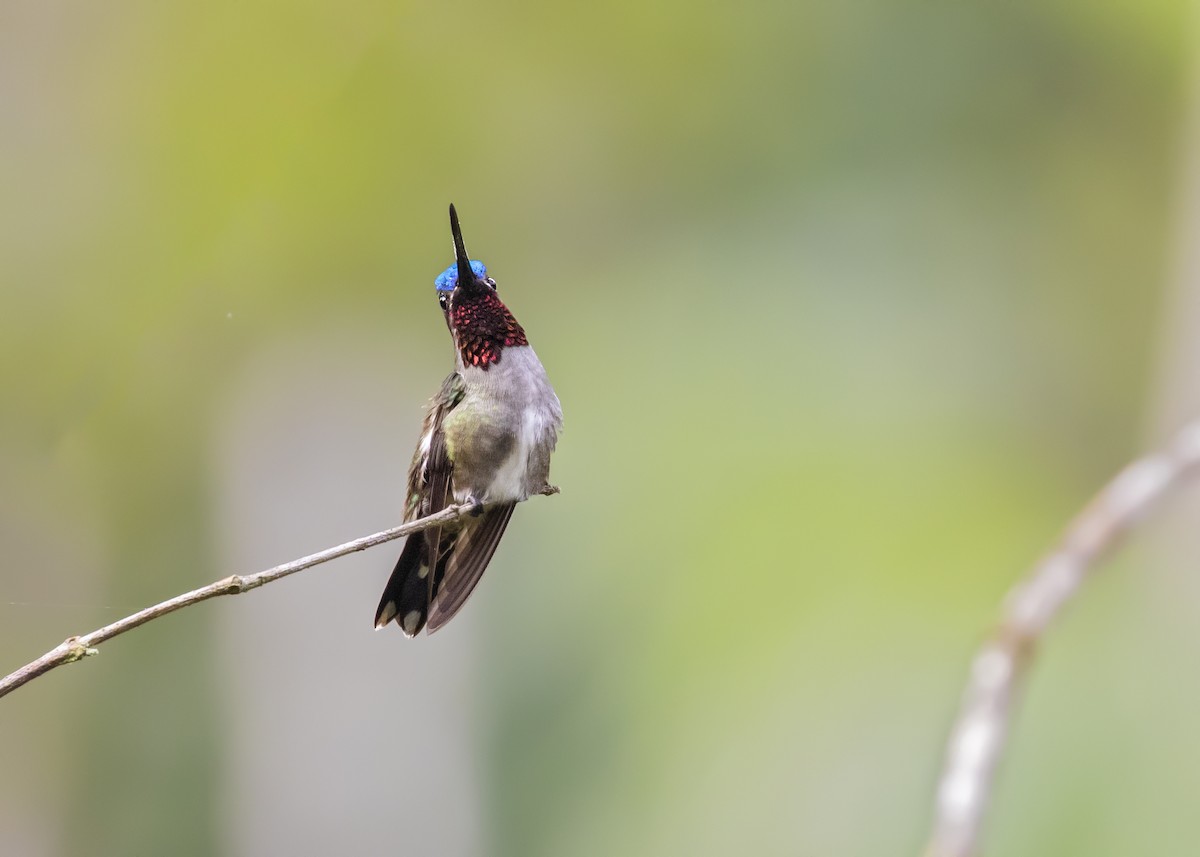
column 465, row 275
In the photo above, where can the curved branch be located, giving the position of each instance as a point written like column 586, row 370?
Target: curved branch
column 79, row 647
column 978, row 737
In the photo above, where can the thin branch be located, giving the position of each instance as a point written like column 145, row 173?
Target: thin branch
column 978, row 737
column 77, row 648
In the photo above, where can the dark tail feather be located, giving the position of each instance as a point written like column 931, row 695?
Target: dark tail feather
column 406, row 596
column 464, row 564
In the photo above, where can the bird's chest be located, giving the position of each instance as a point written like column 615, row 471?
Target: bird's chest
column 493, row 432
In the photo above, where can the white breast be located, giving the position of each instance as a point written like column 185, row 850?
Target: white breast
column 510, row 480
column 519, row 379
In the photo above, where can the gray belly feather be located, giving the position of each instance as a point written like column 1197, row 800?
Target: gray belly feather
column 502, row 433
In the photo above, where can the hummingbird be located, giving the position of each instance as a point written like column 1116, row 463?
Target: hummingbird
column 486, row 443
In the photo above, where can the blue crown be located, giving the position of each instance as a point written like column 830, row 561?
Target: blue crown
column 448, row 278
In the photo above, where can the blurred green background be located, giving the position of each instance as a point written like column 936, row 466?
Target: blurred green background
column 849, row 306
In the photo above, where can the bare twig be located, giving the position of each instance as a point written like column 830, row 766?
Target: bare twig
column 77, row 648
column 978, row 736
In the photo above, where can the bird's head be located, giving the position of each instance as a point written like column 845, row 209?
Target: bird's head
column 479, row 321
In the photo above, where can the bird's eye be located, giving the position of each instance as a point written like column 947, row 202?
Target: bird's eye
column 492, row 283
column 443, row 300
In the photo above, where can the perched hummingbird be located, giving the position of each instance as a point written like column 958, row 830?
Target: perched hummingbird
column 486, row 442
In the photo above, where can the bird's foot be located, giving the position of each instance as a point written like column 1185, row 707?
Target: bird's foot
column 548, row 489
column 474, row 506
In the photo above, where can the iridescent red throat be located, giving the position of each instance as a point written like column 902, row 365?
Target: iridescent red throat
column 483, row 328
